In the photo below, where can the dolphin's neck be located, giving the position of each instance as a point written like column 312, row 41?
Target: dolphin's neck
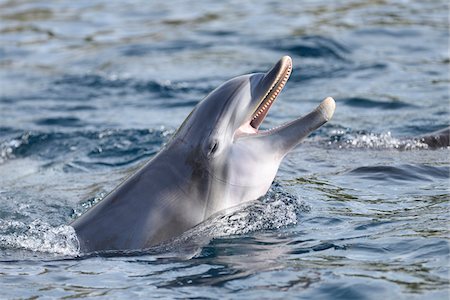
column 157, row 196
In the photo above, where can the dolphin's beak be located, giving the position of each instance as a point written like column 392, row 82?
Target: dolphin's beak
column 286, row 136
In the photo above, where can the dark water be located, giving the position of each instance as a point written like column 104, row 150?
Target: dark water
column 91, row 89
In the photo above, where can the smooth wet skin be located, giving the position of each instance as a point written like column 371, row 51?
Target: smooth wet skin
column 217, row 159
column 437, row 139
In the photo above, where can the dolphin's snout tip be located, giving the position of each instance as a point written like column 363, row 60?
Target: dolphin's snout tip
column 286, row 59
column 327, row 108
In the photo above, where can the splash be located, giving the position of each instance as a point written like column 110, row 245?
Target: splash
column 86, row 205
column 39, row 236
column 7, row 148
column 362, row 140
column 275, row 210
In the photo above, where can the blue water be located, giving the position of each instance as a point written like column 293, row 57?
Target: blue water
column 89, row 90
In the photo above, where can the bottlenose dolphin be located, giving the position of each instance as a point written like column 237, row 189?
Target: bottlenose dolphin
column 218, row 158
column 436, row 139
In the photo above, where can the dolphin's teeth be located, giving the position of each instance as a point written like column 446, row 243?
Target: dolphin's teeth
column 270, row 96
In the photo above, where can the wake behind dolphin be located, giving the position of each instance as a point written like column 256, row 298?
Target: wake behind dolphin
column 217, row 159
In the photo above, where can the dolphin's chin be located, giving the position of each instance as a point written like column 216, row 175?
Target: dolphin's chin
column 279, row 75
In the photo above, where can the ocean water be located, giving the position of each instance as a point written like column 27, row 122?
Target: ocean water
column 90, row 90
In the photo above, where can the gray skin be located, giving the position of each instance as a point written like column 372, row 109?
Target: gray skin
column 437, row 139
column 217, row 159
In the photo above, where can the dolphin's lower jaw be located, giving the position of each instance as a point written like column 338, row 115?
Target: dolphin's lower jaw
column 218, row 158
column 279, row 76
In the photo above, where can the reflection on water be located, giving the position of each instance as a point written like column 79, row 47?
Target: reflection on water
column 90, row 90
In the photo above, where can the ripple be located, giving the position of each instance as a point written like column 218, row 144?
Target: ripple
column 319, row 246
column 86, row 148
column 88, row 86
column 402, row 173
column 313, row 46
column 171, row 47
column 326, row 221
column 60, row 121
column 369, row 103
column 372, row 225
column 32, row 14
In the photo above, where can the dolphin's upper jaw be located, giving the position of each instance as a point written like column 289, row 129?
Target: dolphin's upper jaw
column 275, row 79
column 282, row 71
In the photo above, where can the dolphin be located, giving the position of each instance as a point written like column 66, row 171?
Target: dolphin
column 217, row 159
column 436, row 139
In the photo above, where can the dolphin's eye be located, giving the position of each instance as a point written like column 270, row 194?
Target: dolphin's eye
column 213, row 147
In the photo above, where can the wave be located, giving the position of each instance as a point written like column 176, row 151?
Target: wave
column 370, row 103
column 403, row 172
column 313, row 46
column 111, row 147
column 101, row 84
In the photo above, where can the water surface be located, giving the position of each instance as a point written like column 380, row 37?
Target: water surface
column 89, row 90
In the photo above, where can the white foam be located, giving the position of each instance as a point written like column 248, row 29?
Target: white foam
column 7, row 147
column 39, row 236
column 85, row 206
column 376, row 141
column 275, row 210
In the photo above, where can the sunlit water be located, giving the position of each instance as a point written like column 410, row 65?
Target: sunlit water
column 91, row 89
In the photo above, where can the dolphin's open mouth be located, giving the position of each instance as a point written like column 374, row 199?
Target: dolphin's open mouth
column 278, row 75
column 282, row 76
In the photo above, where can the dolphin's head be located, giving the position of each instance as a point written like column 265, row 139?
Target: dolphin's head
column 223, row 130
